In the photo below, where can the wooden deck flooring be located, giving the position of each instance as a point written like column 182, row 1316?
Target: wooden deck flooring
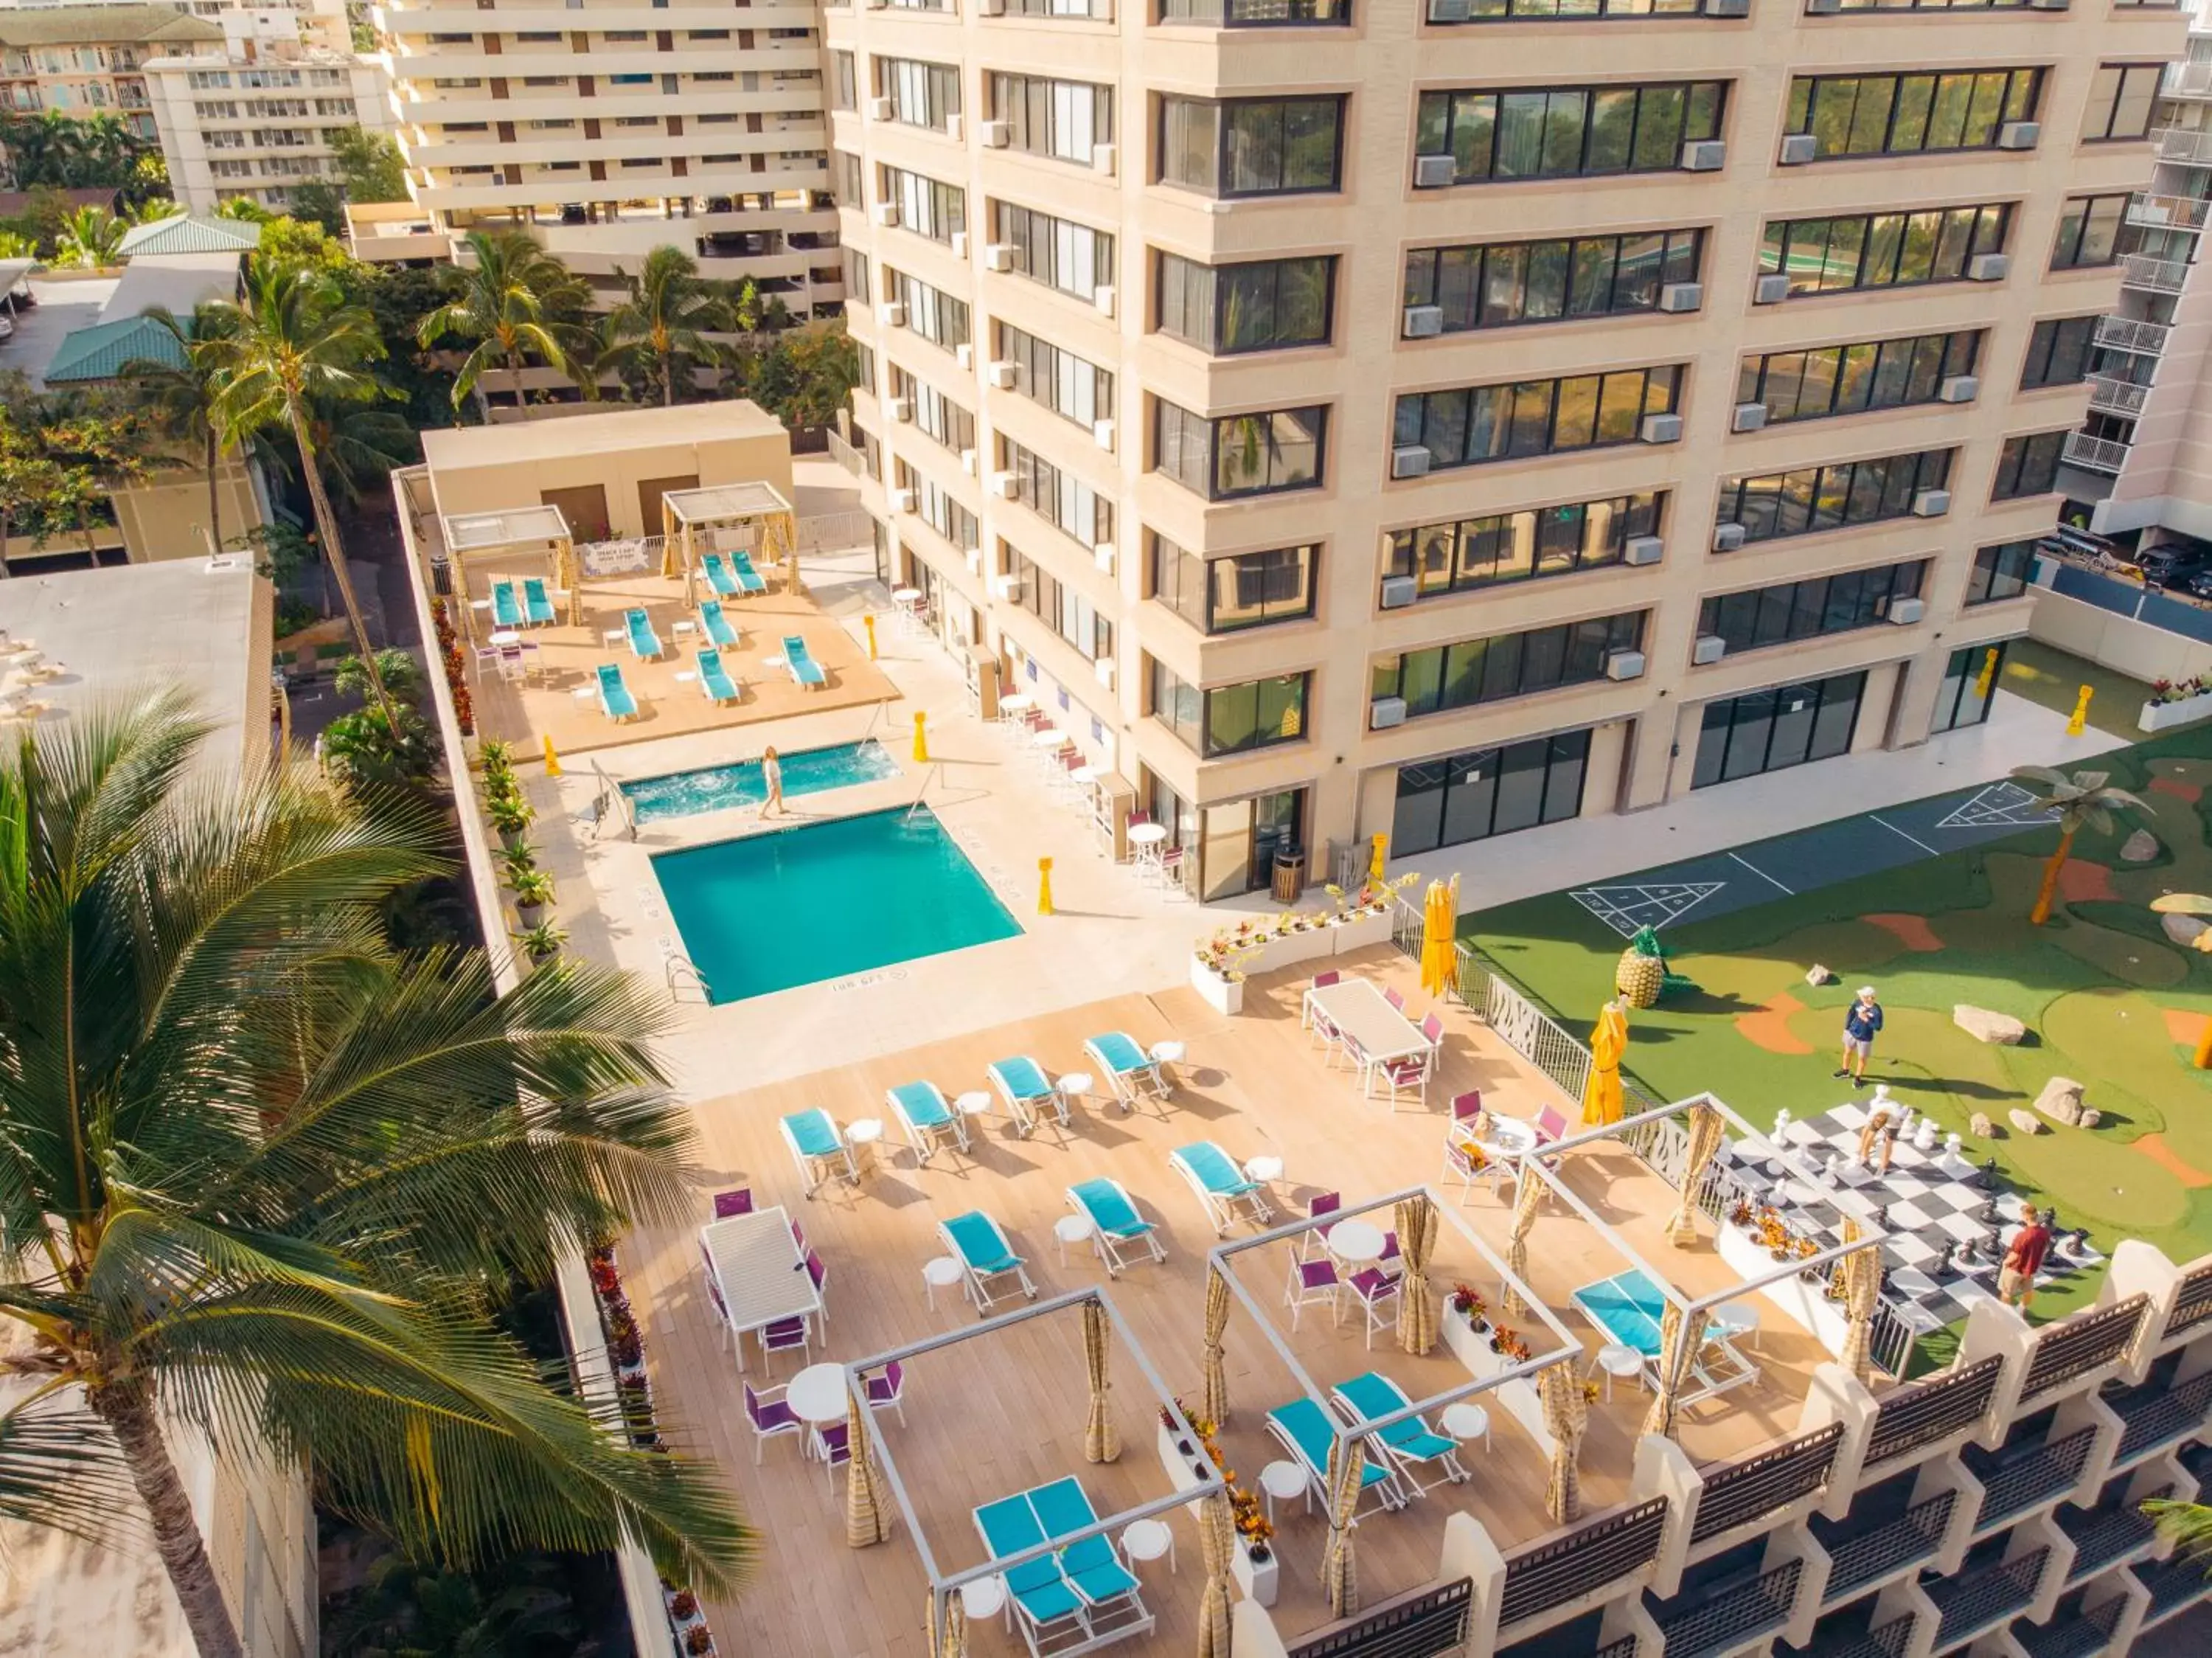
column 990, row 1417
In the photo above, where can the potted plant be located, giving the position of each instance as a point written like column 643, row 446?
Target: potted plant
column 494, row 756
column 510, row 815
column 698, row 1641
column 541, row 943
column 533, row 890
column 518, row 858
column 1469, row 1306
column 683, row 1606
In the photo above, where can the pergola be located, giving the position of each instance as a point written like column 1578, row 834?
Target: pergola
column 685, row 513
column 513, row 529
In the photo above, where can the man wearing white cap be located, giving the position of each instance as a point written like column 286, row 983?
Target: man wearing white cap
column 1862, row 1023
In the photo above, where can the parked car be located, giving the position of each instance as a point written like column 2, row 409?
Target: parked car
column 2174, row 563
column 2200, row 585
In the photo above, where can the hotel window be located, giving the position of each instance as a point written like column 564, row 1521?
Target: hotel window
column 844, row 83
column 2005, row 571
column 1521, row 546
column 1060, row 607
column 1065, row 119
column 1256, row 13
column 1467, row 425
column 937, row 317
column 1177, row 704
column 938, row 510
column 1564, row 133
column 933, row 412
column 1261, row 305
column 2120, row 99
column 1503, row 665
column 1260, row 453
column 1072, row 257
column 1245, row 590
column 1780, row 727
column 1494, row 284
column 1805, row 610
column 1231, row 719
column 1810, row 499
column 2059, row 352
column 2028, row 466
column 1070, row 387
column 921, row 95
column 1882, row 250
column 1489, row 791
column 1066, row 502
column 1048, row 8
column 1840, row 380
column 926, row 207
column 1251, row 146
column 2088, row 232
column 1910, row 114
column 846, row 170
column 856, row 276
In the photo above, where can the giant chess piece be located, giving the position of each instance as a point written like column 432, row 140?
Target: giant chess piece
column 1923, row 1137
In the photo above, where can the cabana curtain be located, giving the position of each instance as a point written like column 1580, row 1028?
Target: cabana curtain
column 1101, row 1442
column 1677, row 1352
column 1862, row 1276
column 1217, row 1537
column 865, row 1522
column 949, row 1633
column 1566, row 1415
column 1340, row 1579
column 1524, row 1221
column 1417, row 1243
column 1215, row 1404
column 1705, row 1144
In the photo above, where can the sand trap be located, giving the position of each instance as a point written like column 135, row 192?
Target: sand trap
column 2080, row 881
column 2154, row 1147
column 2189, row 791
column 1769, row 1027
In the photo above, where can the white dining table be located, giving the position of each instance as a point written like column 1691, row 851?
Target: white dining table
column 758, row 1268
column 1360, row 1012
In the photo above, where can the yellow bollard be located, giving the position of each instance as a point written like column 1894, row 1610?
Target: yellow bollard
column 2204, row 1048
column 1988, row 674
column 2080, row 723
column 921, row 740
column 1044, row 886
column 1376, row 861
column 868, row 622
column 552, row 760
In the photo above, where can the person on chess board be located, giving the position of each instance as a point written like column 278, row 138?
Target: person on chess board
column 1862, row 1024
column 1884, row 1123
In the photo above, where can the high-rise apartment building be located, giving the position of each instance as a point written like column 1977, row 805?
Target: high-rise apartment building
column 83, row 60
column 1446, row 419
column 609, row 129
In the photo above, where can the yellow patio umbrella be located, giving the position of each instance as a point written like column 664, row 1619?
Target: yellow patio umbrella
column 1608, row 1042
column 1440, row 959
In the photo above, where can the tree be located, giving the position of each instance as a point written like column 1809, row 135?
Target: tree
column 288, row 241
column 367, row 749
column 401, row 674
column 184, row 399
column 209, row 1059
column 369, row 164
column 805, row 376
column 521, row 1609
column 61, row 456
column 244, row 209
column 660, row 332
column 93, row 240
column 2187, row 1526
column 2082, row 801
column 398, row 297
column 318, row 202
column 291, row 340
column 517, row 302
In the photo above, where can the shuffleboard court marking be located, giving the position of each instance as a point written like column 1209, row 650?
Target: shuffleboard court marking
column 1625, row 909
column 1894, row 830
column 1998, row 803
column 1762, row 873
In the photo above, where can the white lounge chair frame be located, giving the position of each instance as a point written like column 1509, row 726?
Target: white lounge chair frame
column 928, row 1140
column 1109, row 1246
column 816, row 1172
column 977, row 1281
column 1221, row 1207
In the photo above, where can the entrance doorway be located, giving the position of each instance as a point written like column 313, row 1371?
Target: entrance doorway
column 1489, row 791
column 585, row 507
column 649, row 492
column 1238, row 841
column 1969, row 687
column 1768, row 730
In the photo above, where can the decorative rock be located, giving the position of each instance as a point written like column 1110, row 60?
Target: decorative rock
column 1981, row 1126
column 2090, row 1119
column 2141, row 847
column 1985, row 1025
column 2183, row 929
column 2061, row 1100
column 2026, row 1121
column 1817, row 974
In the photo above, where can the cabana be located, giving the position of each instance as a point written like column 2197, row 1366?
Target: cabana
column 688, row 519
column 487, row 535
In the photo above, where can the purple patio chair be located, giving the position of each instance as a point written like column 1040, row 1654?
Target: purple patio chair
column 798, row 1235
column 1432, row 1029
column 820, row 1276
column 769, row 1417
column 1373, row 1288
column 730, row 1205
column 1312, row 1283
column 1467, row 1107
column 1323, row 1202
column 1550, row 1126
column 835, row 1449
column 1395, row 998
column 887, row 1390
column 714, row 1289
column 784, row 1335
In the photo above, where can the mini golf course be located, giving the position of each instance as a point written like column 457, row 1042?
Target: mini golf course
column 1930, row 903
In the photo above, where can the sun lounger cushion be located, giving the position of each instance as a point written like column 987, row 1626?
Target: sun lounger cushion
column 1117, row 1052
column 613, row 695
column 713, row 680
column 1210, row 1165
column 747, row 578
column 923, row 1104
column 980, row 1244
column 1064, row 1507
column 539, row 607
column 1308, row 1428
column 504, row 608
column 718, row 575
column 1628, row 1307
column 1022, row 1077
column 717, row 626
column 1374, row 1395
column 1109, row 1209
column 1008, row 1525
column 813, row 1133
column 804, row 668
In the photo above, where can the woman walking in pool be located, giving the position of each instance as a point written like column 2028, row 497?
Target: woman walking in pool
column 772, row 776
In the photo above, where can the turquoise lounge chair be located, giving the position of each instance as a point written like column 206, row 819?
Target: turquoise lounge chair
column 1303, row 1429
column 929, row 1120
column 1114, row 1223
column 716, row 626
column 536, row 603
column 1023, row 1086
column 1409, row 1443
column 1134, row 1073
column 644, row 643
column 1220, row 1185
column 719, row 576
column 1051, row 1612
column 976, row 1241
column 1092, row 1566
column 749, row 580
column 506, row 610
column 719, row 685
column 804, row 668
column 817, row 1149
column 615, row 700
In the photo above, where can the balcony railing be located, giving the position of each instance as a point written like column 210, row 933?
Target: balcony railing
column 2073, row 1637
column 2102, row 1536
column 2160, row 276
column 1913, row 1417
column 1625, row 1647
column 2126, row 334
column 2075, row 1346
column 2098, row 455
column 2036, row 1476
column 1718, row 1622
column 2115, row 396
column 1971, row 1604
column 2155, row 1416
column 2172, row 1583
column 847, row 456
column 1600, row 1553
column 2175, row 144
column 1914, row 1535
column 2167, row 212
column 1887, row 1642
column 2194, row 1304
column 1740, row 1492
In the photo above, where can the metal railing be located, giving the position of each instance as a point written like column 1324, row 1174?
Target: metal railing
column 2116, row 396
column 1889, row 1641
column 2172, row 1583
column 2101, row 1536
column 2129, row 334
column 1915, row 1417
column 1969, row 1605
column 2098, row 453
column 2076, row 1637
column 1718, row 1623
column 2155, row 1415
column 2177, row 144
column 1589, row 1558
column 834, row 531
column 1913, row 1536
column 1625, row 1647
column 1741, row 1492
column 2193, row 1305
column 1428, row 1621
column 846, row 456
column 2167, row 212
column 2161, row 276
column 2038, row 1476
column 2075, row 1346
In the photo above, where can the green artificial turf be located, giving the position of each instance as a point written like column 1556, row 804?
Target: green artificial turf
column 2095, row 987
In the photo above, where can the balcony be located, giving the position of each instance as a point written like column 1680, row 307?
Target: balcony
column 1912, row 1417
column 2167, row 212
column 2159, row 275
column 2097, row 455
column 2021, row 1478
column 1724, row 1618
column 2121, row 397
column 2124, row 334
column 2081, row 1636
column 2187, row 81
column 1591, row 1558
column 2193, row 1306
column 2158, row 1413
column 1738, row 1493
column 2175, row 144
column 1971, row 1603
column 1888, row 1641
column 2102, row 1535
column 1912, row 1537
column 2172, row 1584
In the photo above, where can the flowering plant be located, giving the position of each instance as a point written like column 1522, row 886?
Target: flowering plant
column 1742, row 1214
column 1252, row 1523
column 1589, row 1392
column 1507, row 1344
column 2177, row 691
column 1467, row 1302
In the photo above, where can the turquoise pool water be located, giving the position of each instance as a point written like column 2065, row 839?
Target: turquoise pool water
column 807, row 771
column 794, row 906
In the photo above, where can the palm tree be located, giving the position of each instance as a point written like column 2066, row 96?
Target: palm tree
column 665, row 321
column 295, row 339
column 257, row 1169
column 92, row 238
column 183, row 399
column 517, row 302
column 2082, row 801
column 2188, row 1525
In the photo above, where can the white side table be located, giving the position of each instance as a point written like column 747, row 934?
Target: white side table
column 1074, row 1085
column 1071, row 1229
column 1467, row 1420
column 941, row 1273
column 1263, row 1169
column 1284, row 1480
column 985, row 1598
column 863, row 1134
column 1145, row 1541
column 1619, row 1361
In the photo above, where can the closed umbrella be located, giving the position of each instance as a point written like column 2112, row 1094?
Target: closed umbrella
column 1439, row 955
column 1608, row 1042
column 1101, row 1442
column 1517, row 1244
column 1566, row 1415
column 1705, row 1144
column 1861, row 1274
column 1217, row 1537
column 1215, row 1399
column 1417, row 1242
column 1676, row 1350
column 1376, row 859
column 1339, row 1580
column 865, row 1523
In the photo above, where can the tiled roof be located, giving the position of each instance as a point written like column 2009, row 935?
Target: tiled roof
column 99, row 352
column 186, row 234
column 57, row 26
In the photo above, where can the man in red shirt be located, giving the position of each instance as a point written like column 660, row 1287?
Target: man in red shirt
column 2023, row 1260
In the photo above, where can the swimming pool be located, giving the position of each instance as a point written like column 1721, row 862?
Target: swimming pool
column 805, row 772
column 794, row 906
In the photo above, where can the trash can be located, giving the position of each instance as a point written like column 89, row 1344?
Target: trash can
column 1289, row 873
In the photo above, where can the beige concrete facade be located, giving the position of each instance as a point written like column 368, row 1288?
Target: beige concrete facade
column 80, row 61
column 1644, row 730
column 256, row 126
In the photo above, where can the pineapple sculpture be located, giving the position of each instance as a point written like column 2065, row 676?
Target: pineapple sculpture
column 1643, row 971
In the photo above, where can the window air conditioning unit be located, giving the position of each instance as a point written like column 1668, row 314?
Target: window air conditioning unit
column 1748, row 417
column 953, row 128
column 1823, row 8
column 1709, row 650
column 902, row 500
column 899, row 408
column 998, row 256
column 1384, row 712
column 975, row 561
column 1103, row 671
column 1003, row 375
column 887, row 213
column 1905, row 612
column 960, row 244
column 1102, row 158
column 1002, row 484
column 1799, row 148
column 1960, row 388
column 1704, row 154
column 1006, row 586
column 1431, row 171
column 882, row 109
column 1643, row 550
column 964, row 355
column 1989, row 268
column 1101, row 11
column 1101, row 556
column 1101, row 298
column 990, row 8
column 1424, row 321
column 1770, row 289
column 2018, row 134
column 968, row 462
column 1102, row 434
column 992, row 133
column 892, row 313
column 1728, row 536
column 1399, row 591
column 1410, row 461
column 1682, row 297
column 2047, row 5
column 1450, row 11
column 1662, row 428
column 1624, row 664
column 1931, row 504
column 1727, row 8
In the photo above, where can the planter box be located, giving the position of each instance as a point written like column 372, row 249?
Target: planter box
column 1223, row 996
column 1361, row 932
column 1182, row 1472
column 2158, row 716
column 1806, row 1307
column 1258, row 1582
column 1517, row 1399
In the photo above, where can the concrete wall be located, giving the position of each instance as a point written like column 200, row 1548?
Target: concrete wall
column 167, row 516
column 2118, row 643
column 502, row 484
